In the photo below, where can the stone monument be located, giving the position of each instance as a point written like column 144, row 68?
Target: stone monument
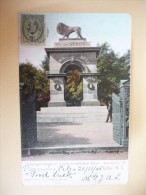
column 69, row 52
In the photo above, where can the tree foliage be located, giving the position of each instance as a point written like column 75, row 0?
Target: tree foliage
column 36, row 82
column 113, row 69
column 74, row 88
column 45, row 64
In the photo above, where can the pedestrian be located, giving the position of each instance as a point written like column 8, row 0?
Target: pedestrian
column 109, row 114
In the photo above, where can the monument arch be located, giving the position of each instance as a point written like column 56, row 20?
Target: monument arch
column 68, row 55
column 74, row 62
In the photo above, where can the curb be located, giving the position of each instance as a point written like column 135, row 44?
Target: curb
column 72, row 150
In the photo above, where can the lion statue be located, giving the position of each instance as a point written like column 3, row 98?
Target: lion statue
column 65, row 30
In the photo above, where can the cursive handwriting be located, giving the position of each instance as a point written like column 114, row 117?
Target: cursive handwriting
column 76, row 172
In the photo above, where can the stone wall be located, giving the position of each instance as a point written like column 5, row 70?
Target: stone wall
column 28, row 120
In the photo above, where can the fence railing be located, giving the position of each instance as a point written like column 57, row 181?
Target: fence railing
column 121, row 103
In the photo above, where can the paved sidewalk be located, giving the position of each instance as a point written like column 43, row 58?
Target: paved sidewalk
column 99, row 134
column 92, row 139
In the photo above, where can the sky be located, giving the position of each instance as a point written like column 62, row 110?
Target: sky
column 96, row 28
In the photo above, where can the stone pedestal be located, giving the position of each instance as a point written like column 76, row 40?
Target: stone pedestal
column 90, row 97
column 57, row 91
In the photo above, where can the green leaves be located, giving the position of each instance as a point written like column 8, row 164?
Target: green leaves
column 36, row 82
column 45, row 64
column 113, row 69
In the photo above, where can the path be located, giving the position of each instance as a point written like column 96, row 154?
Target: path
column 90, row 135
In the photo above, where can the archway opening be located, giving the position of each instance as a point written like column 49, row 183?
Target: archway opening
column 73, row 85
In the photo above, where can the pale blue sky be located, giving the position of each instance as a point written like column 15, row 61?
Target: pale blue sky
column 96, row 28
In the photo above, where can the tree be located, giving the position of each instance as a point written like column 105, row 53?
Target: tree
column 36, row 82
column 113, row 69
column 45, row 64
column 73, row 88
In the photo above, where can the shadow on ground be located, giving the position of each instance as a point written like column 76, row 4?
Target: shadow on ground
column 49, row 135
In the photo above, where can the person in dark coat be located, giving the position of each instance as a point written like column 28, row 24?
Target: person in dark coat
column 109, row 115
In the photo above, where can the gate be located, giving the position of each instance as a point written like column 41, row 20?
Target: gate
column 116, row 118
column 121, row 114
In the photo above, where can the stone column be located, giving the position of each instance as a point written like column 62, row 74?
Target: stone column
column 57, row 92
column 90, row 97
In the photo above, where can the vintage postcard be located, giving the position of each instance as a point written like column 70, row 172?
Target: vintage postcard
column 74, row 97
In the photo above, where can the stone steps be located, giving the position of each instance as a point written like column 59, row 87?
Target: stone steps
column 72, row 114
